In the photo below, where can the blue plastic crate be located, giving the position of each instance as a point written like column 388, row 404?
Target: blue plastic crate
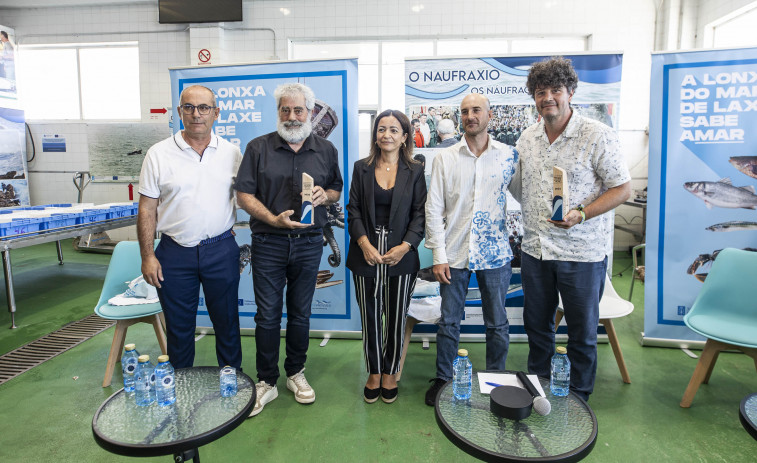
column 92, row 215
column 59, row 221
column 117, row 212
column 20, row 227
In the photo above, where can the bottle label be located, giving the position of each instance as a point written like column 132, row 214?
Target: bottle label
column 167, row 382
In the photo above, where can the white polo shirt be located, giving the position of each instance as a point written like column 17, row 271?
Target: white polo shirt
column 195, row 195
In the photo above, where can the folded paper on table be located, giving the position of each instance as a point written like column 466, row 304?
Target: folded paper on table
column 505, row 379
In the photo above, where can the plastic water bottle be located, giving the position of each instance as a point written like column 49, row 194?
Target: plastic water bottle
column 144, row 381
column 228, row 377
column 165, row 390
column 462, row 373
column 559, row 381
column 129, row 362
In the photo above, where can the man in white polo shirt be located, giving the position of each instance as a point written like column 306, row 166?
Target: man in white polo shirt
column 186, row 194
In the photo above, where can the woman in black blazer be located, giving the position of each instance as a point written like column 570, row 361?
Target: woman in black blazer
column 386, row 224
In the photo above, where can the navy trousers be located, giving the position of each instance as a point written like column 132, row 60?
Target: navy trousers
column 278, row 262
column 581, row 285
column 216, row 267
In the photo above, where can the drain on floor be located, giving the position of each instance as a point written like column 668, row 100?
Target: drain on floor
column 36, row 352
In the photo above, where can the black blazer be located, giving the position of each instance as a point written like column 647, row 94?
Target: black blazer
column 407, row 218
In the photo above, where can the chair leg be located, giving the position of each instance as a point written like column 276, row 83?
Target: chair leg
column 613, row 338
column 706, row 361
column 706, row 379
column 115, row 349
column 633, row 279
column 157, row 325
column 410, row 323
column 163, row 321
column 558, row 319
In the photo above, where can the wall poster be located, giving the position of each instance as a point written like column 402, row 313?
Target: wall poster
column 702, row 178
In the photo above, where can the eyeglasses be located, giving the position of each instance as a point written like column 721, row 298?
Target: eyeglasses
column 298, row 110
column 203, row 109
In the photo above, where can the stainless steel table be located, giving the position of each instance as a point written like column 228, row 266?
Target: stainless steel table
column 567, row 434
column 199, row 416
column 641, row 237
column 56, row 234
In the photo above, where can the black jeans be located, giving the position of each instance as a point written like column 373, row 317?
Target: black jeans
column 280, row 261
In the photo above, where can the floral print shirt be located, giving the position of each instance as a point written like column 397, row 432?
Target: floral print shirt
column 590, row 154
column 465, row 209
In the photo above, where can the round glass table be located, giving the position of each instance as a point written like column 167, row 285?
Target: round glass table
column 567, row 434
column 748, row 414
column 199, row 416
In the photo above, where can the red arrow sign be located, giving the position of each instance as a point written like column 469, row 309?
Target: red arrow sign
column 159, row 110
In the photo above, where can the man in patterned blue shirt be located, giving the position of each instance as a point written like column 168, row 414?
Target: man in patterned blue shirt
column 466, row 231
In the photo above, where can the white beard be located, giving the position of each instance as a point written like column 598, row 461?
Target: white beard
column 294, row 131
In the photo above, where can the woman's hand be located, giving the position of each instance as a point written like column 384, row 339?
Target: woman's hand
column 394, row 255
column 370, row 254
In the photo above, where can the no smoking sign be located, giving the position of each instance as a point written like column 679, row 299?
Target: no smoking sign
column 204, row 56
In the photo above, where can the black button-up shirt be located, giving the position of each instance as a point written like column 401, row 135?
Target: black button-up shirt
column 272, row 172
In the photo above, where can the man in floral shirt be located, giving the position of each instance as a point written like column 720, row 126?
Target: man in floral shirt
column 466, row 230
column 568, row 257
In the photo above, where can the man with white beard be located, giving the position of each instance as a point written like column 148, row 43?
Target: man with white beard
column 285, row 252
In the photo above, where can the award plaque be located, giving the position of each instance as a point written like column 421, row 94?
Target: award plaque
column 560, row 203
column 306, row 215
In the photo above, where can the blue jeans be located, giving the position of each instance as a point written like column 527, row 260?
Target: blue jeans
column 493, row 284
column 581, row 285
column 280, row 261
column 216, row 267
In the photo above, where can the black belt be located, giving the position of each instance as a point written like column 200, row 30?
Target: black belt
column 227, row 234
column 303, row 235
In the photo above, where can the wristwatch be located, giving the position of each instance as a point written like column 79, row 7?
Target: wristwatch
column 580, row 208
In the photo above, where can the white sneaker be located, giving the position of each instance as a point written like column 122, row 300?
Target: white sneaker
column 264, row 394
column 303, row 393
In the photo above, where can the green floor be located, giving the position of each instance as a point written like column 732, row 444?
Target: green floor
column 47, row 412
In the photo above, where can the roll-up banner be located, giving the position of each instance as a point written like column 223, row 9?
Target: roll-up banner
column 434, row 89
column 702, row 178
column 247, row 110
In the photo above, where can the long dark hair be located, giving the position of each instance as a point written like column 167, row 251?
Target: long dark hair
column 406, row 149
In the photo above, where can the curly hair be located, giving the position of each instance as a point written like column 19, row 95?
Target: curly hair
column 553, row 72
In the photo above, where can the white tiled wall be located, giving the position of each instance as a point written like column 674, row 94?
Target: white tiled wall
column 612, row 25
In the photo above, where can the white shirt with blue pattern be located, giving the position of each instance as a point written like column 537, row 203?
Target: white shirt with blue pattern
column 466, row 206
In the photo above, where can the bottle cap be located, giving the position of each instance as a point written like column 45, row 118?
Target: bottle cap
column 162, row 358
column 144, row 358
column 129, row 347
column 561, row 350
column 462, row 352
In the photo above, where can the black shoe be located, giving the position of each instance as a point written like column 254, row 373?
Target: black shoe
column 438, row 383
column 389, row 395
column 371, row 395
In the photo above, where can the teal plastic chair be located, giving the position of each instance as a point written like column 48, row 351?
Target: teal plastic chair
column 125, row 265
column 425, row 255
column 725, row 312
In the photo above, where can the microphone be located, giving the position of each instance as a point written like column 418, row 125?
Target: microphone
column 541, row 404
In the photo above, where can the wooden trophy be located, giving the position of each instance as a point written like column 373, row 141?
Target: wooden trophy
column 560, row 202
column 306, row 216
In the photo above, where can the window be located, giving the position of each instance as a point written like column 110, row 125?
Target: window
column 738, row 30
column 91, row 81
